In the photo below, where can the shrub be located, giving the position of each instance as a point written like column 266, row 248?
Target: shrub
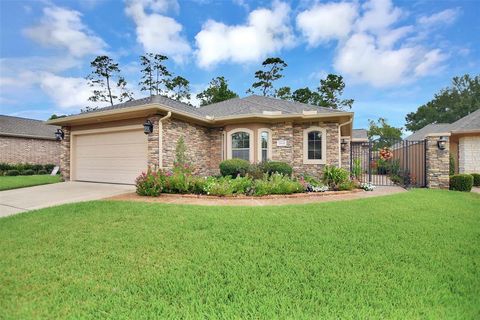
column 255, row 171
column 452, row 165
column 42, row 172
column 197, row 185
column 357, row 169
column 276, row 184
column 27, row 172
column 37, row 167
column 150, row 183
column 12, row 173
column 334, row 177
column 476, row 179
column 347, row 185
column 241, row 185
column 49, row 167
column 218, row 187
column 461, row 182
column 271, row 167
column 234, row 167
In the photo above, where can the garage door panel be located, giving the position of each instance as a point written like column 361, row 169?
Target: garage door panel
column 113, row 157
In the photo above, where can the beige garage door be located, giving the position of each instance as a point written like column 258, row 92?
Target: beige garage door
column 113, row 157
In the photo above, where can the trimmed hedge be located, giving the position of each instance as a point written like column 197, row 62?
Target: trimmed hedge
column 12, row 173
column 476, row 179
column 272, row 167
column 28, row 172
column 461, row 182
column 26, row 167
column 234, row 167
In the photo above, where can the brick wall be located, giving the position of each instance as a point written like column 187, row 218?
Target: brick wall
column 15, row 150
column 203, row 145
column 153, row 144
column 345, row 154
column 65, row 154
column 437, row 164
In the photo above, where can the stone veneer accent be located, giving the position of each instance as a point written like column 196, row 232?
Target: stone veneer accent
column 15, row 150
column 65, row 154
column 153, row 144
column 345, row 154
column 437, row 164
column 293, row 152
column 203, row 145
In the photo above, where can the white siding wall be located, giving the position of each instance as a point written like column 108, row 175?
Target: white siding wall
column 469, row 155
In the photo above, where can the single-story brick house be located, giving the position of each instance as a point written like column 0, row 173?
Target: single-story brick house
column 109, row 144
column 28, row 141
column 464, row 138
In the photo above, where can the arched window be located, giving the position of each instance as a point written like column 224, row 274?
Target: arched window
column 264, row 145
column 314, row 149
column 240, row 145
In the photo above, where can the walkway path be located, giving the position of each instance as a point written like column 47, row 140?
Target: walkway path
column 263, row 201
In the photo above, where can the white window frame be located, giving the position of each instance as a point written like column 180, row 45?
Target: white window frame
column 323, row 131
column 259, row 144
column 251, row 142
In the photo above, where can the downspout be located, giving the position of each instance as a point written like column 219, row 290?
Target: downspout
column 340, row 141
column 160, row 138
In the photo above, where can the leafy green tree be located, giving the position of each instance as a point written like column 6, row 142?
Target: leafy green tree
column 330, row 90
column 284, row 93
column 179, row 88
column 105, row 76
column 272, row 68
column 54, row 116
column 384, row 134
column 155, row 74
column 305, row 95
column 449, row 105
column 217, row 91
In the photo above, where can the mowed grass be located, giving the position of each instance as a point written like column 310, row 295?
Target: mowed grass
column 414, row 255
column 7, row 183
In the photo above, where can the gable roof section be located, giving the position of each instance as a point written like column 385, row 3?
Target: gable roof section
column 429, row 129
column 359, row 135
column 468, row 123
column 26, row 128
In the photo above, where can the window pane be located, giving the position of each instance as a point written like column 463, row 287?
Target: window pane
column 314, row 145
column 241, row 154
column 264, row 137
column 240, row 140
column 264, row 155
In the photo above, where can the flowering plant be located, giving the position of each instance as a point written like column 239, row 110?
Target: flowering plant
column 386, row 154
column 367, row 186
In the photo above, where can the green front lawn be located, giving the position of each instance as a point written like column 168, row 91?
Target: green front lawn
column 414, row 255
column 7, row 183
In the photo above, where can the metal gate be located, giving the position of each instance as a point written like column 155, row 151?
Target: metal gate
column 389, row 163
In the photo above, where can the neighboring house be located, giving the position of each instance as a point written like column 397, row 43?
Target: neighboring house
column 464, row 140
column 28, row 141
column 359, row 135
column 109, row 144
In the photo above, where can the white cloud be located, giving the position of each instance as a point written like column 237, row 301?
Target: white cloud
column 266, row 31
column 66, row 92
column 324, row 22
column 378, row 15
column 447, row 17
column 156, row 32
column 430, row 63
column 373, row 48
column 63, row 28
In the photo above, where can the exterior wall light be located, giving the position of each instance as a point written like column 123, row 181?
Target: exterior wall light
column 441, row 143
column 148, row 127
column 343, row 144
column 59, row 135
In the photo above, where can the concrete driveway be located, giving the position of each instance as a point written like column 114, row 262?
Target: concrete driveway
column 25, row 199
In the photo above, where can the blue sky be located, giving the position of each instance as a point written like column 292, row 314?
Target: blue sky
column 394, row 55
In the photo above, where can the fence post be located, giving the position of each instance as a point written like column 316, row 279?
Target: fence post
column 370, row 162
column 437, row 162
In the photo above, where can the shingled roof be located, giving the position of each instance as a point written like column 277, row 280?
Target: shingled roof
column 360, row 134
column 238, row 106
column 470, row 122
column 26, row 128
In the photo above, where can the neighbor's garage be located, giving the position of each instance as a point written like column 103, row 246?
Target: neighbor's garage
column 111, row 157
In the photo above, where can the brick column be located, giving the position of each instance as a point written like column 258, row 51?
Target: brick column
column 437, row 162
column 153, row 148
column 65, row 154
column 345, row 154
column 282, row 131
